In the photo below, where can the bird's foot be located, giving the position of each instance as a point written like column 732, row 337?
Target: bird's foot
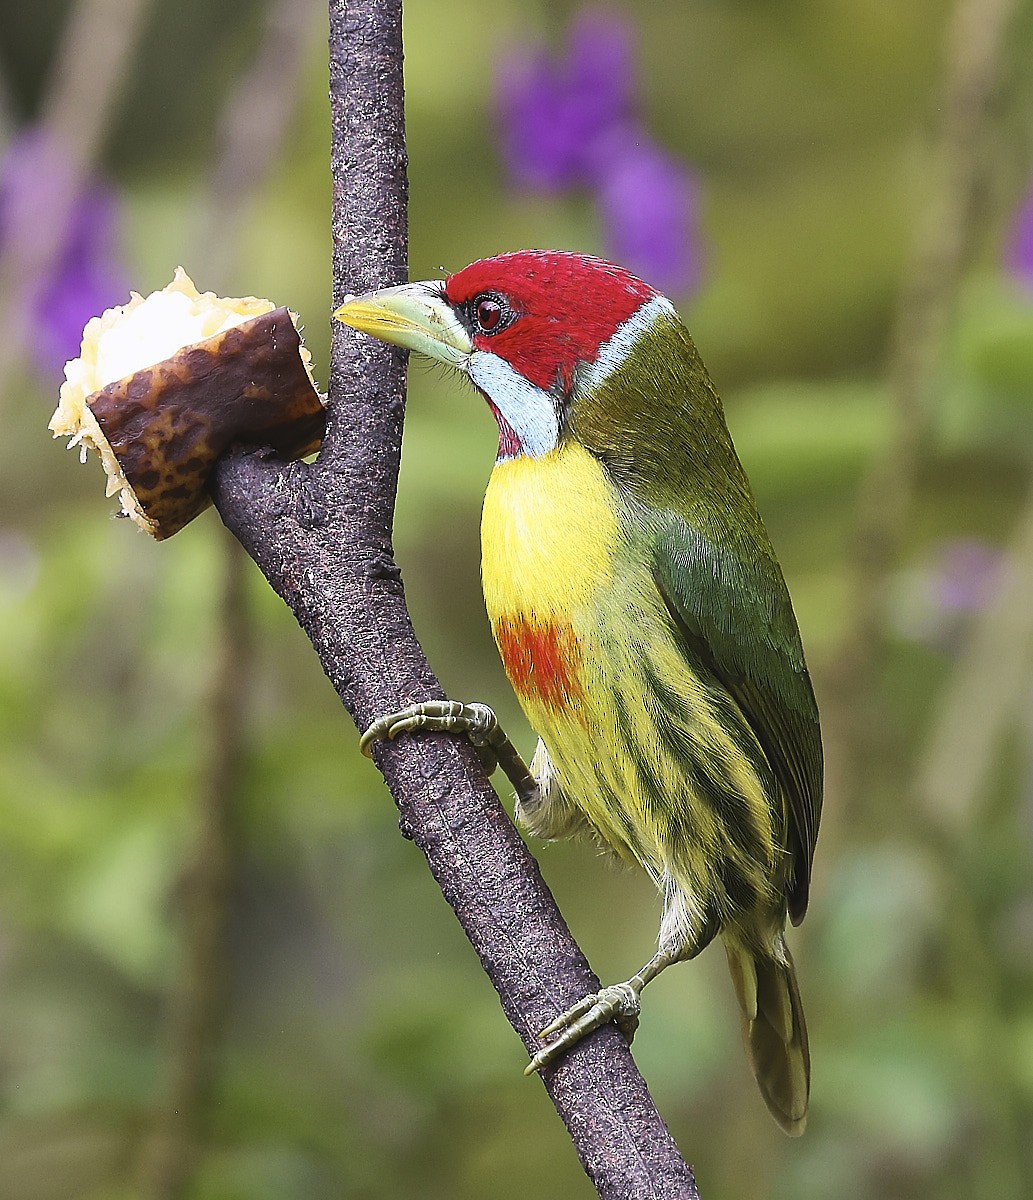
column 479, row 724
column 477, row 721
column 619, row 1002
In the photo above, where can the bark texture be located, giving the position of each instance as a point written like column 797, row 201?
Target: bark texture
column 321, row 534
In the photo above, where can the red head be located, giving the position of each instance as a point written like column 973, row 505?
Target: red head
column 533, row 330
column 549, row 311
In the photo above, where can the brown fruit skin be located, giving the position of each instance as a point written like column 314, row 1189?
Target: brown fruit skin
column 168, row 424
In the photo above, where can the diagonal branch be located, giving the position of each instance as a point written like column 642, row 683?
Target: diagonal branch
column 322, row 536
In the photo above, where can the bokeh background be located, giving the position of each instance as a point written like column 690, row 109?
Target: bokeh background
column 223, row 973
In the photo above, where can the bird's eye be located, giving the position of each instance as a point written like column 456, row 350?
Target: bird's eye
column 489, row 313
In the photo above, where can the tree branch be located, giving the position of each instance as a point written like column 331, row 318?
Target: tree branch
column 321, row 533
column 251, row 133
column 197, row 1005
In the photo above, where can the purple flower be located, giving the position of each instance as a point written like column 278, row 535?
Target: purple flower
column 84, row 277
column 1020, row 246
column 648, row 204
column 965, row 577
column 935, row 602
column 572, row 121
column 553, row 112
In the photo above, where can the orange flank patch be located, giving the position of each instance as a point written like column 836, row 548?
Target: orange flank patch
column 542, row 659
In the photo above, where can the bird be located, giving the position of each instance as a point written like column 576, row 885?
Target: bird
column 644, row 623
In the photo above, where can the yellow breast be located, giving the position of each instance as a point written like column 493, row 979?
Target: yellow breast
column 587, row 643
column 548, row 535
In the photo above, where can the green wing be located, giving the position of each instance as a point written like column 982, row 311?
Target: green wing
column 726, row 593
column 712, row 560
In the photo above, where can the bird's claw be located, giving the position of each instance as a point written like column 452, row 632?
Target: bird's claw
column 619, row 1002
column 477, row 721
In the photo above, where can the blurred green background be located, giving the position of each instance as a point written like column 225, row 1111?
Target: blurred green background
column 362, row 1052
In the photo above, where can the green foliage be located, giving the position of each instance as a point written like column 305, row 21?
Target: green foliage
column 365, row 1054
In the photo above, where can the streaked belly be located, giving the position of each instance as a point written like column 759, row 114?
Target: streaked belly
column 641, row 741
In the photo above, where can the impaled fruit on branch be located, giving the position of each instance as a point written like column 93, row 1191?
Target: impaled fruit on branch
column 164, row 384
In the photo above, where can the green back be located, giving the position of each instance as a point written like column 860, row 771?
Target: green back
column 658, row 427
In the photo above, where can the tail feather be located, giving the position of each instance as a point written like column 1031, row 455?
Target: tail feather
column 774, row 1032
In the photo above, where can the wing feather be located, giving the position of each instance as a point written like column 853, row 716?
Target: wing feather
column 658, row 427
column 732, row 608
